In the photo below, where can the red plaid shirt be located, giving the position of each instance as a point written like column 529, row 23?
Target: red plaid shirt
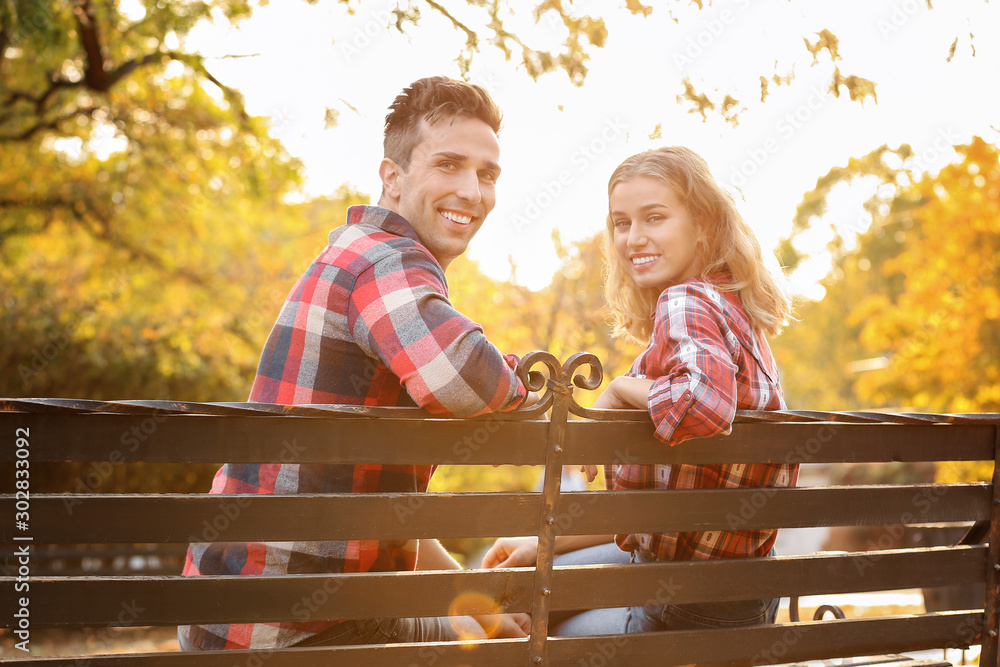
column 707, row 361
column 370, row 316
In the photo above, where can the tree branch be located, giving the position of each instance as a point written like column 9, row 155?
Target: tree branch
column 90, row 40
column 471, row 39
column 4, row 40
column 48, row 125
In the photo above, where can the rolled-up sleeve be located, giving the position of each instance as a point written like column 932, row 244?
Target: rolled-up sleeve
column 400, row 313
column 695, row 397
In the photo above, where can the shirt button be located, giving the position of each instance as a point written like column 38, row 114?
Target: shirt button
column 687, row 396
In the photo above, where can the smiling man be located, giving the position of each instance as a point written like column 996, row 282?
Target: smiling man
column 370, row 323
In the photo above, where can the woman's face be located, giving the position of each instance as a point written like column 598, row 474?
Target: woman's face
column 654, row 235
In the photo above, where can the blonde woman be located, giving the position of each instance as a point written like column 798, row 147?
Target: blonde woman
column 685, row 275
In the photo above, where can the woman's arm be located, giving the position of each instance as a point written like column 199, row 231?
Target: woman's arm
column 625, row 393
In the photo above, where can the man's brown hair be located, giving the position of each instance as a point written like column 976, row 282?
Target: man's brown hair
column 433, row 98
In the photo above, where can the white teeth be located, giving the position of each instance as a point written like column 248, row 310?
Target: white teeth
column 455, row 217
column 643, row 260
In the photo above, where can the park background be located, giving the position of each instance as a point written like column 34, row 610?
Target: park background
column 169, row 169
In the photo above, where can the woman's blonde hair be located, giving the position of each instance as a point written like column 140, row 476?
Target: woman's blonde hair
column 727, row 245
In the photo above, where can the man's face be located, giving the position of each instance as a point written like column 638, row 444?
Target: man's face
column 449, row 186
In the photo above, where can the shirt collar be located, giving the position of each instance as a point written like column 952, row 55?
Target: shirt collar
column 382, row 218
column 718, row 279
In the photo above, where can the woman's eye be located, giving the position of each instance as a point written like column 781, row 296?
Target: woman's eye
column 621, row 224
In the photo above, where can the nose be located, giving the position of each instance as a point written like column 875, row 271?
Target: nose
column 636, row 236
column 468, row 187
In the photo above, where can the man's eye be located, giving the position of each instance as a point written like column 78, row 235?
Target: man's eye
column 488, row 176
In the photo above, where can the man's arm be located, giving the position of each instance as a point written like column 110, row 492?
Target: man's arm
column 400, row 313
column 432, row 556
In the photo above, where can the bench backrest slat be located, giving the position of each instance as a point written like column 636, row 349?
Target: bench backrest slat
column 774, row 644
column 136, row 518
column 215, row 439
column 98, row 601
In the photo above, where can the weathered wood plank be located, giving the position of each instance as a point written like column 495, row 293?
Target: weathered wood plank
column 218, row 439
column 115, row 601
column 99, row 601
column 493, row 653
column 768, row 645
column 681, row 582
column 634, row 442
column 215, row 439
column 597, row 513
column 134, row 518
column 782, row 643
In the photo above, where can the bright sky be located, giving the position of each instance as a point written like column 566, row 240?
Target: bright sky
column 560, row 143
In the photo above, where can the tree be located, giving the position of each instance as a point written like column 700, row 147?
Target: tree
column 941, row 330
column 910, row 313
column 134, row 195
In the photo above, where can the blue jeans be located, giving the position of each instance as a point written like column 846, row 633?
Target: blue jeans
column 373, row 631
column 692, row 616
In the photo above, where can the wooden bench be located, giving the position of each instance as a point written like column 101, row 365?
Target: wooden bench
column 86, row 431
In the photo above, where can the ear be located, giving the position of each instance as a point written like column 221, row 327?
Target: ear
column 389, row 172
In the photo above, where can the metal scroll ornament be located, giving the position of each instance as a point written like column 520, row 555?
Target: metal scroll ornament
column 558, row 380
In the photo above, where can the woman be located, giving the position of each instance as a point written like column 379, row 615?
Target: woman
column 684, row 274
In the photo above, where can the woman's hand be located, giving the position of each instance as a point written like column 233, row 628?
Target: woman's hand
column 512, row 552
column 590, row 472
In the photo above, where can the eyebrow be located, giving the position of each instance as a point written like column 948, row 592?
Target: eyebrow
column 644, row 208
column 459, row 157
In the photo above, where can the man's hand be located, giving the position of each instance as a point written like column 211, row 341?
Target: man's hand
column 512, row 552
column 467, row 627
column 505, row 626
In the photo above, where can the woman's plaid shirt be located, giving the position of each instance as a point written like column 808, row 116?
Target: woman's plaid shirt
column 707, row 361
column 368, row 324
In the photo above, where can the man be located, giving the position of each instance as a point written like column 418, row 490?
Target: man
column 370, row 323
